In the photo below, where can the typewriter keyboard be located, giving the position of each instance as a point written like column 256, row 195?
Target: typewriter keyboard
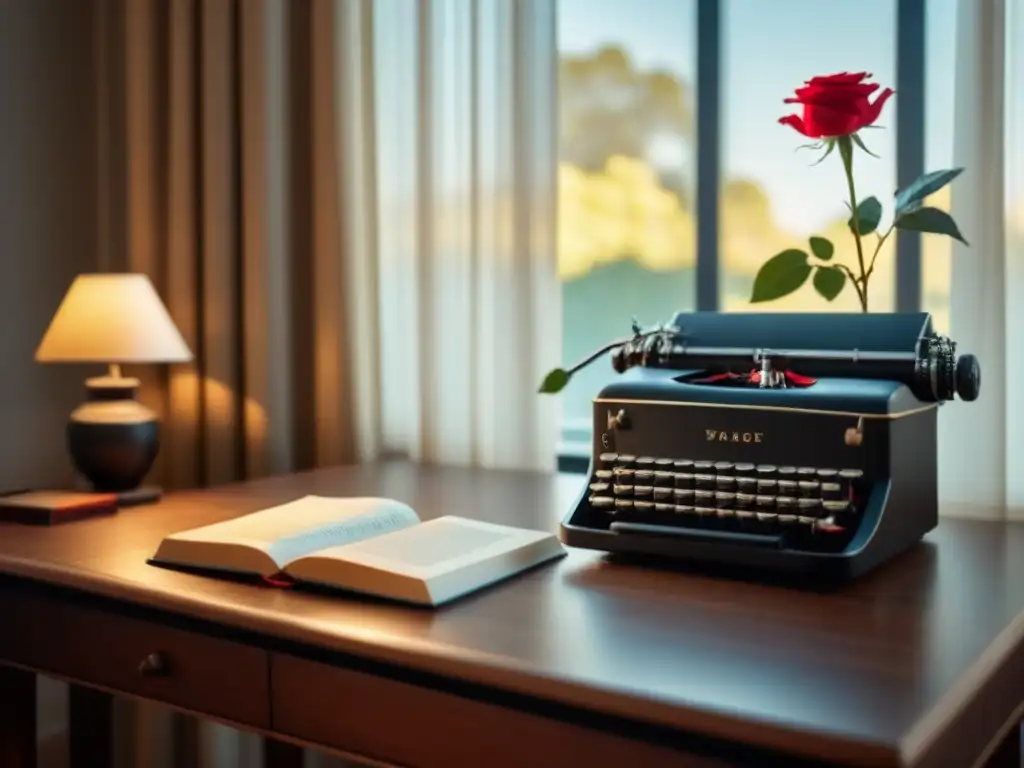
column 814, row 508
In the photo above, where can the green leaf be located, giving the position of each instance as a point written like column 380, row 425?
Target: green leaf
column 829, row 282
column 782, row 274
column 869, row 212
column 555, row 381
column 859, row 143
column 822, row 247
column 932, row 220
column 925, row 185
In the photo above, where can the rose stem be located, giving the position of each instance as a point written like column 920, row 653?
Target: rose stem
column 846, row 152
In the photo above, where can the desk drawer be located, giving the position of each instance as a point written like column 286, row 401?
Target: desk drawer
column 204, row 674
column 399, row 723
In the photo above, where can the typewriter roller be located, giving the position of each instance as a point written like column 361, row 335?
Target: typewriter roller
column 801, row 443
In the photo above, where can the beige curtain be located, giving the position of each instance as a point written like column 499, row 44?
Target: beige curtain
column 224, row 176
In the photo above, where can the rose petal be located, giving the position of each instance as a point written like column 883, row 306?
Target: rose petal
column 840, row 77
column 872, row 110
column 798, row 124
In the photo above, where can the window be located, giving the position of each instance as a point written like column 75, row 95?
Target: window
column 626, row 179
column 657, row 94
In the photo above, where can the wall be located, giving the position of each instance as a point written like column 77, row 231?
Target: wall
column 47, row 236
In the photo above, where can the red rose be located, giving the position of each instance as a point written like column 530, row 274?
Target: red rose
column 836, row 105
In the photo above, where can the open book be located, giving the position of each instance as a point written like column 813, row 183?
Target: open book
column 370, row 545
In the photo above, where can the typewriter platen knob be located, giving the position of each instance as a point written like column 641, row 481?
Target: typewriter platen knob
column 968, row 377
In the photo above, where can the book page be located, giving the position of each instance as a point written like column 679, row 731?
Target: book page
column 306, row 525
column 430, row 563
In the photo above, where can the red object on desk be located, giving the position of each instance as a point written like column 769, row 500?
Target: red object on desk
column 52, row 507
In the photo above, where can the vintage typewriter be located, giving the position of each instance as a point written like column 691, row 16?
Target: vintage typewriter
column 803, row 443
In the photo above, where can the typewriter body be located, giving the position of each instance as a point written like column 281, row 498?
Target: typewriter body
column 801, row 443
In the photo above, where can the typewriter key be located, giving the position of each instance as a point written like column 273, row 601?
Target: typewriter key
column 662, row 493
column 643, row 506
column 608, row 459
column 786, row 520
column 767, row 520
column 645, row 462
column 746, row 484
column 703, row 466
column 705, row 514
column 765, row 502
column 766, row 470
column 602, row 502
column 744, row 516
column 684, row 509
column 743, row 469
column 683, row 495
column 623, row 504
column 835, row 507
column 660, row 507
column 725, row 482
column 643, row 491
column 828, row 474
column 603, row 474
column 724, row 499
column 806, row 524
column 722, row 467
column 726, row 514
column 684, row 480
column 599, row 487
column 809, row 488
column 663, row 463
column 767, row 485
column 704, row 481
column 806, row 473
column 703, row 498
column 851, row 474
column 744, row 500
column 788, row 487
column 787, row 473
column 644, row 476
column 622, row 490
column 624, row 474
column 625, row 460
column 809, row 506
column 785, row 504
column 831, row 491
column 661, row 477
column 683, row 465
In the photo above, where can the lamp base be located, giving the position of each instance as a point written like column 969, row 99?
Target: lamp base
column 112, row 438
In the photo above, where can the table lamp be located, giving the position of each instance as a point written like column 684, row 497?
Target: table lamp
column 113, row 319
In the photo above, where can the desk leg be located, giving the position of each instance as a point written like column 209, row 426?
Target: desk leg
column 281, row 754
column 1008, row 753
column 90, row 727
column 17, row 718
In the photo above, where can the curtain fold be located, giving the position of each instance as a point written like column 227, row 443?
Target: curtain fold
column 348, row 207
column 470, row 308
column 980, row 453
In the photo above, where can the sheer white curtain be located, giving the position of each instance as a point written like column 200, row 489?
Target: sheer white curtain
column 469, row 308
column 981, row 448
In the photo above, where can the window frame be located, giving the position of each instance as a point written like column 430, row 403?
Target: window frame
column 911, row 32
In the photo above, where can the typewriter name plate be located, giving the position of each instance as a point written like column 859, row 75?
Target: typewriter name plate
column 734, row 434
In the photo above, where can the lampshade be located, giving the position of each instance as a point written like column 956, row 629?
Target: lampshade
column 112, row 318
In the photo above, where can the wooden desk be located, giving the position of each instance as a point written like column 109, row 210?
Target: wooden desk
column 583, row 662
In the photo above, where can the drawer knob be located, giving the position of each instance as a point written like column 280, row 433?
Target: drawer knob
column 153, row 665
